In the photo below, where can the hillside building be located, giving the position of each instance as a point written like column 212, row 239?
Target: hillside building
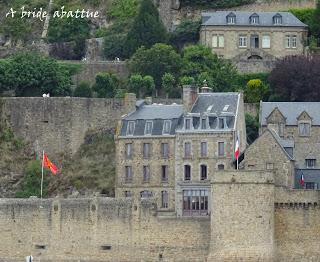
column 253, row 40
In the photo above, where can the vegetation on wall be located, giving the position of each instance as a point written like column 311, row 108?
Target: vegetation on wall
column 252, row 128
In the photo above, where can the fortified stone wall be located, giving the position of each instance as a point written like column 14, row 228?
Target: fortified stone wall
column 59, row 124
column 99, row 229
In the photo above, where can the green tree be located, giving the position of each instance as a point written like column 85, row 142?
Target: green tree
column 168, row 83
column 315, row 28
column 255, row 91
column 156, row 61
column 187, row 32
column 147, row 29
column 31, row 183
column 83, row 90
column 252, row 128
column 187, row 80
column 106, row 85
column 199, row 62
column 16, row 30
column 4, row 65
column 140, row 85
column 31, row 74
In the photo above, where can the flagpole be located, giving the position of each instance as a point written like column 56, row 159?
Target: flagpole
column 42, row 173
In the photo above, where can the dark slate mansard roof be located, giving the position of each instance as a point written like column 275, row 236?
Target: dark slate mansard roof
column 214, row 103
column 157, row 113
column 291, row 111
column 219, row 18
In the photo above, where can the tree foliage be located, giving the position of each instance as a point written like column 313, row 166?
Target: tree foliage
column 31, row 74
column 83, row 90
column 296, row 78
column 156, row 61
column 106, row 85
column 252, row 128
column 147, row 29
column 140, row 85
column 216, row 3
column 256, row 91
column 123, row 9
column 199, row 62
column 187, row 32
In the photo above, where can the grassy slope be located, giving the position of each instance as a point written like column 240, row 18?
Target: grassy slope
column 91, row 169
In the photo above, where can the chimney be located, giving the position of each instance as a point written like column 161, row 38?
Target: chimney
column 190, row 94
column 148, row 100
column 130, row 102
column 205, row 88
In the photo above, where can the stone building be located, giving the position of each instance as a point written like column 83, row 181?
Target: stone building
column 297, row 126
column 170, row 152
column 253, row 40
column 145, row 148
column 205, row 141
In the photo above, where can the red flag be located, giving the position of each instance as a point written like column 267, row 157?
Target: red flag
column 302, row 180
column 48, row 164
column 237, row 149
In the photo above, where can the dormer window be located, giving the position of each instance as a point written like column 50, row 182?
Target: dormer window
column 222, row 123
column 130, row 128
column 187, row 124
column 166, row 127
column 254, row 19
column 231, row 19
column 304, row 129
column 148, row 128
column 277, row 19
column 204, row 123
column 310, row 163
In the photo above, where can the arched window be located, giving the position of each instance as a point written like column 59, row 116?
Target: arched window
column 203, row 172
column 187, row 172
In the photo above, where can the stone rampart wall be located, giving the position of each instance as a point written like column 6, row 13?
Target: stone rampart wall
column 98, row 229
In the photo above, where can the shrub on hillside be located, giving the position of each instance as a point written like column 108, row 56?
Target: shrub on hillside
column 216, row 3
column 106, row 85
column 296, row 78
column 83, row 90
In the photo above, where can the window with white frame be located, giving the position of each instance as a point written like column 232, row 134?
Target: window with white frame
column 220, row 148
column 164, row 173
column 203, row 149
column 242, row 41
column 128, row 174
column 203, row 172
column 203, row 123
column 146, row 150
column 266, row 41
column 187, row 172
column 166, row 127
column 195, row 202
column 310, row 163
column 146, row 194
column 164, row 150
column 231, row 19
column 218, row 41
column 254, row 19
column 130, row 128
column 277, row 19
column 187, row 149
column 164, row 199
column 291, row 41
column 128, row 151
column 146, row 173
column 187, row 123
column 304, row 129
column 148, row 128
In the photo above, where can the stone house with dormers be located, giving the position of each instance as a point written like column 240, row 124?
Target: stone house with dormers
column 298, row 126
column 170, row 152
column 253, row 40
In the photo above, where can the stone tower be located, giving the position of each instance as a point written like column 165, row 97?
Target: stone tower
column 242, row 218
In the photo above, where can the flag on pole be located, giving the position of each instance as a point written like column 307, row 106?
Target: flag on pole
column 48, row 164
column 237, row 149
column 302, row 180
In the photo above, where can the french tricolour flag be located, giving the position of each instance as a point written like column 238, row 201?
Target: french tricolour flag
column 237, row 149
column 302, row 180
